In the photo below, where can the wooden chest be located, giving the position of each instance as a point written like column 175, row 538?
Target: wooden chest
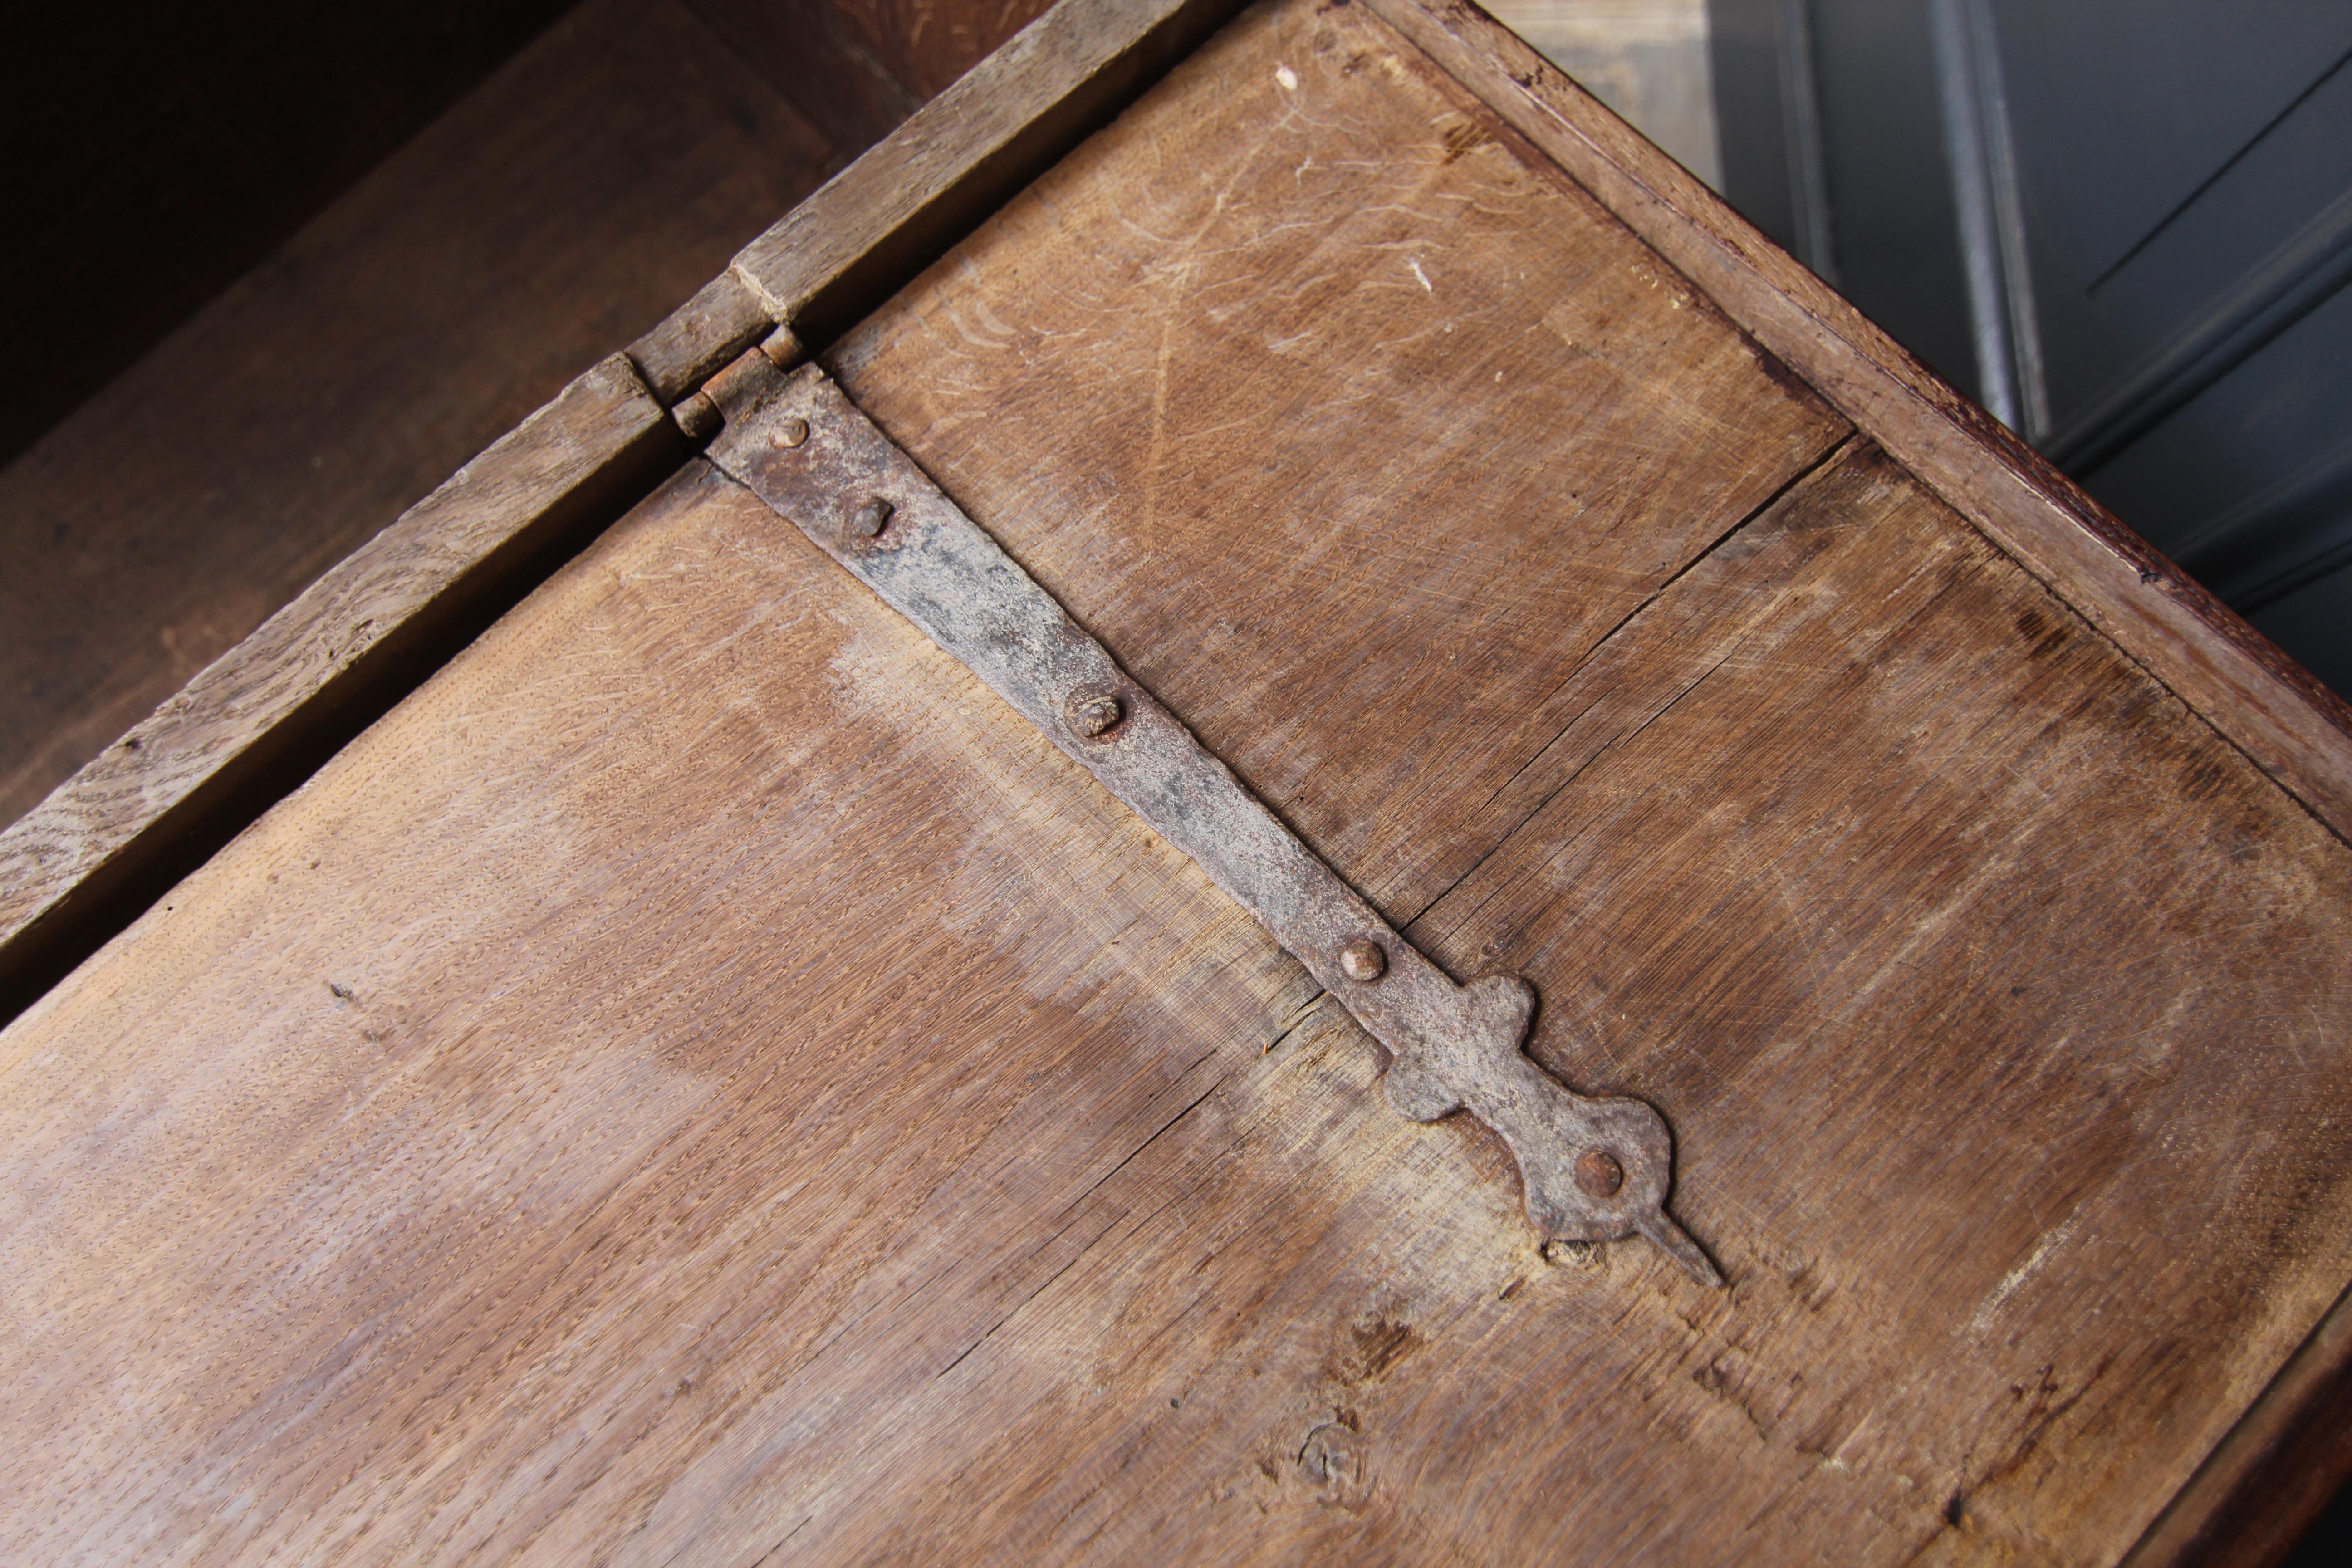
column 686, row 1073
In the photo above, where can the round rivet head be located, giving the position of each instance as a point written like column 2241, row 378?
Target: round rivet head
column 1598, row 1173
column 870, row 517
column 1363, row 961
column 1095, row 714
column 791, row 433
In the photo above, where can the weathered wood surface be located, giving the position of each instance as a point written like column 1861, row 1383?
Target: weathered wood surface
column 2276, row 1473
column 702, row 1078
column 931, row 180
column 1333, row 345
column 557, row 212
column 137, row 817
column 835, row 257
column 2291, row 725
column 990, row 132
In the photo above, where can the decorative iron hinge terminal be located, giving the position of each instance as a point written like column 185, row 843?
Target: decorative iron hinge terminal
column 1594, row 1169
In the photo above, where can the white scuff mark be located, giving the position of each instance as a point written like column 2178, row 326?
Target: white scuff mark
column 2018, row 1276
column 1288, row 77
column 1414, row 262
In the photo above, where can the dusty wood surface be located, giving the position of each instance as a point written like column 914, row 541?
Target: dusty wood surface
column 553, row 214
column 152, row 805
column 1193, row 402
column 2284, row 1464
column 702, row 1078
column 2293, row 727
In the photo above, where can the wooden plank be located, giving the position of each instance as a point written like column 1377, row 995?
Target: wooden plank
column 701, row 1077
column 253, row 722
column 661, row 793
column 1459, row 408
column 2287, row 722
column 1977, row 971
column 847, row 247
column 2291, row 724
column 881, row 220
column 888, row 215
column 555, row 213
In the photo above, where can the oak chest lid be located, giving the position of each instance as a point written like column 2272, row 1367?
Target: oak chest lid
column 703, row 1076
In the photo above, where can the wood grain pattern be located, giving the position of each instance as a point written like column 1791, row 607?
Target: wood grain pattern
column 1346, row 349
column 250, row 723
column 552, row 216
column 2291, row 725
column 700, row 1080
column 440, row 1101
column 703, row 1078
column 829, row 262
column 2282, row 717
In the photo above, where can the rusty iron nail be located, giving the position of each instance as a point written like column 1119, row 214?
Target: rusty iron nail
column 1094, row 715
column 1363, row 961
column 782, row 349
column 1598, row 1173
column 870, row 517
column 791, row 433
column 698, row 416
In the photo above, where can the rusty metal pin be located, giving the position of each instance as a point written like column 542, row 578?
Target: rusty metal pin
column 870, row 517
column 697, row 416
column 782, row 349
column 1597, row 1173
column 1095, row 714
column 789, row 433
column 1363, row 961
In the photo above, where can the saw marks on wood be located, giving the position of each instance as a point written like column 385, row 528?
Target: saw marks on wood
column 1323, row 405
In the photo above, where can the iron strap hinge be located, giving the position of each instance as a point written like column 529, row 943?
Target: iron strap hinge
column 1594, row 1169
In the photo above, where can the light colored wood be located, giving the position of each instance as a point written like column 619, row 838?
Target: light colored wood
column 2293, row 727
column 551, row 215
column 841, row 251
column 459, row 1260
column 340, row 643
column 1357, row 354
column 702, row 1080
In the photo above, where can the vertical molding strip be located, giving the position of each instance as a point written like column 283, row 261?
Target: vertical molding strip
column 2001, row 318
